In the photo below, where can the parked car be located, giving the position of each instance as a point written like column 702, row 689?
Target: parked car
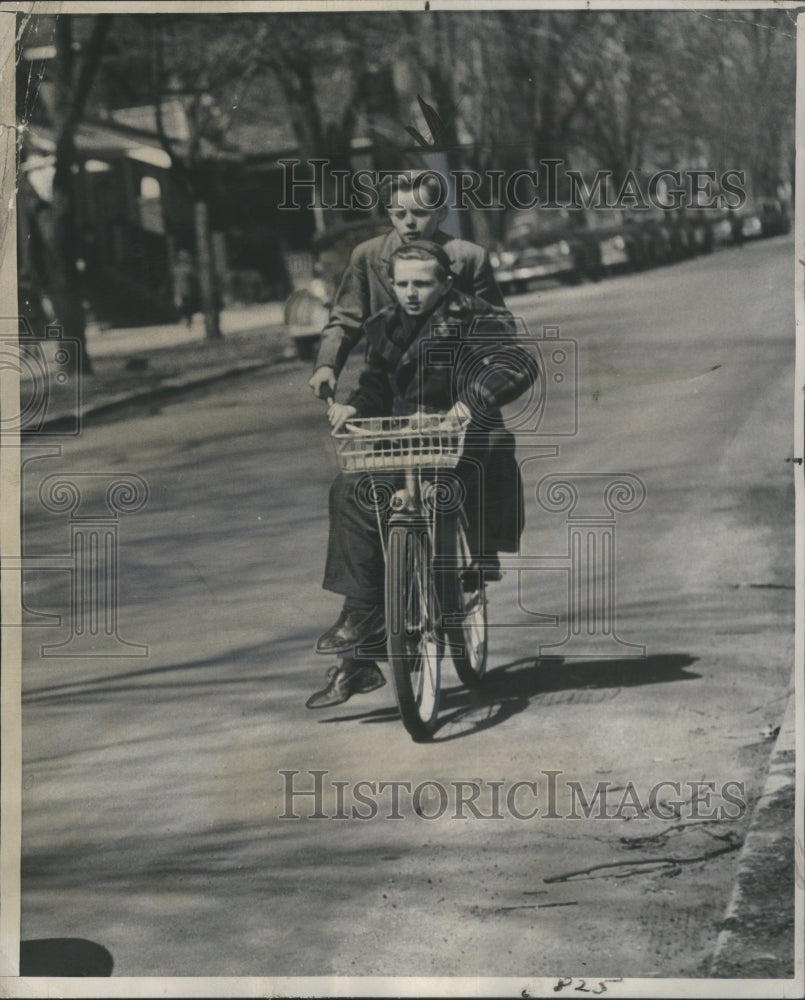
column 748, row 223
column 690, row 232
column 578, row 243
column 722, row 222
column 774, row 217
column 542, row 247
column 653, row 236
column 620, row 245
column 700, row 230
column 307, row 308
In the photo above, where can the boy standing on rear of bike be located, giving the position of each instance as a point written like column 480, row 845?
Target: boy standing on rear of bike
column 415, row 205
column 488, row 370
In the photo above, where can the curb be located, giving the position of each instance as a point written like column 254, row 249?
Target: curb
column 170, row 388
column 757, row 933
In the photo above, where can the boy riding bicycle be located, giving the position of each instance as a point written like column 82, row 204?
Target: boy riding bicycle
column 397, row 379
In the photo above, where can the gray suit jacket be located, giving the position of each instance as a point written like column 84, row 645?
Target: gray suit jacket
column 366, row 289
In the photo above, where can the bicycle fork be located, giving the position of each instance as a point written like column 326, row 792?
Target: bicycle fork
column 407, row 499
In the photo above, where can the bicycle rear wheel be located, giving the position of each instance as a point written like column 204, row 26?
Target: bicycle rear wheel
column 412, row 623
column 466, row 626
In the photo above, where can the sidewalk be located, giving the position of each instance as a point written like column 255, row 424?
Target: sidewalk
column 130, row 365
column 235, row 322
column 757, row 936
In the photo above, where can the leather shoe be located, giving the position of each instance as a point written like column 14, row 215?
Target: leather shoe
column 491, row 567
column 353, row 628
column 481, row 571
column 351, row 677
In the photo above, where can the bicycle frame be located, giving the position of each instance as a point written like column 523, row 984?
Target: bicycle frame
column 425, row 549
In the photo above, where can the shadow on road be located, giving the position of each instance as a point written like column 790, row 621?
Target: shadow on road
column 216, row 670
column 64, row 957
column 510, row 688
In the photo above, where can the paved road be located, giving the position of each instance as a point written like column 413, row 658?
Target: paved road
column 153, row 796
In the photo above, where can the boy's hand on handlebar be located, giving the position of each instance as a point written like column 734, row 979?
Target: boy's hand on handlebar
column 322, row 377
column 459, row 416
column 339, row 413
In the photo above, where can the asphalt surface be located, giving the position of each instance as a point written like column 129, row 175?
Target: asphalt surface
column 153, row 787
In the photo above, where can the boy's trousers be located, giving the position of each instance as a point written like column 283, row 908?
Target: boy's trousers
column 487, row 478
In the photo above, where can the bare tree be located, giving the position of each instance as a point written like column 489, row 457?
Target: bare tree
column 743, row 110
column 73, row 72
column 204, row 63
column 325, row 67
column 677, row 90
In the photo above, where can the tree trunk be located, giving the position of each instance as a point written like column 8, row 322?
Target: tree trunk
column 443, row 93
column 65, row 290
column 71, row 92
column 206, row 274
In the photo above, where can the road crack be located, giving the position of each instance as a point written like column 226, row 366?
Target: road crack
column 640, row 866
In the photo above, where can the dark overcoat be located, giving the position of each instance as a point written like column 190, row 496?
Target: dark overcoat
column 366, row 289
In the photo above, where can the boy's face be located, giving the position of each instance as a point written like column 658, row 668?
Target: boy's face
column 418, row 285
column 410, row 219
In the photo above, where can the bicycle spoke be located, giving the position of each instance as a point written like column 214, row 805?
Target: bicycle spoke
column 467, row 628
column 413, row 648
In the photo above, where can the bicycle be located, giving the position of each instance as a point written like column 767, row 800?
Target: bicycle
column 435, row 595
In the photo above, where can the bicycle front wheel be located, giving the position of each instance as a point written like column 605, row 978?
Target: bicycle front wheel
column 412, row 623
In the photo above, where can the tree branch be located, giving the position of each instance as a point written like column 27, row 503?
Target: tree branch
column 156, row 85
column 89, row 67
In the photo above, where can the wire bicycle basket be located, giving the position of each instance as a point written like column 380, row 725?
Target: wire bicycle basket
column 394, row 444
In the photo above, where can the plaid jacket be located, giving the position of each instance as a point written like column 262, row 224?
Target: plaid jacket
column 366, row 289
column 465, row 350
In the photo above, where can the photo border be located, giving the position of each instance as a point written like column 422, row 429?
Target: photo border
column 10, row 676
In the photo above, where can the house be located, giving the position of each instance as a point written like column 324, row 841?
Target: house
column 134, row 214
